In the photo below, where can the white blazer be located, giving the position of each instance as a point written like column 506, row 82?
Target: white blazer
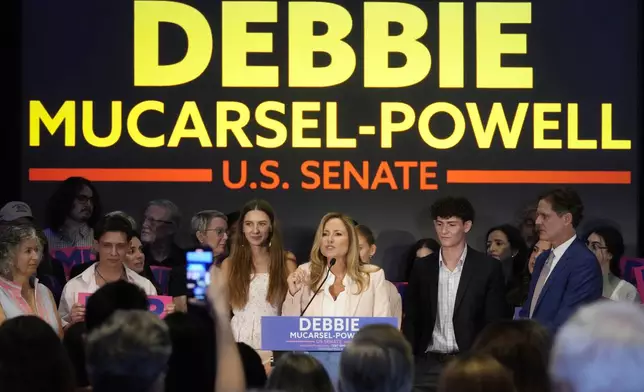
column 395, row 300
column 373, row 301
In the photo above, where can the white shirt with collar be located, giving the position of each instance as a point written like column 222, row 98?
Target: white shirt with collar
column 558, row 252
column 338, row 306
column 443, row 336
column 86, row 283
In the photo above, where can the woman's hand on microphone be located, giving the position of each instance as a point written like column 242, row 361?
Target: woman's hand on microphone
column 295, row 281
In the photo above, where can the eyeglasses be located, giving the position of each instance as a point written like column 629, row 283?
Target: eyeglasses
column 156, row 222
column 595, row 246
column 84, row 199
column 220, row 231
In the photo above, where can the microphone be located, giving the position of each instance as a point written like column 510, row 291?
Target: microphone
column 331, row 264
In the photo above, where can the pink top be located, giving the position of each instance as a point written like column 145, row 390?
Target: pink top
column 14, row 305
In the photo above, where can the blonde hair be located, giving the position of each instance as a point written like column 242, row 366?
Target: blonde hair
column 356, row 270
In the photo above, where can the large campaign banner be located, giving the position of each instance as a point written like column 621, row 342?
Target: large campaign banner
column 371, row 108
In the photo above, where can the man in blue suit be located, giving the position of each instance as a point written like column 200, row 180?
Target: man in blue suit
column 567, row 276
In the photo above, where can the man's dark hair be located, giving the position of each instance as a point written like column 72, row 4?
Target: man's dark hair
column 563, row 201
column 119, row 295
column 61, row 202
column 113, row 223
column 453, row 207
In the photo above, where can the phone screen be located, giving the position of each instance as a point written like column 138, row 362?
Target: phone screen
column 198, row 264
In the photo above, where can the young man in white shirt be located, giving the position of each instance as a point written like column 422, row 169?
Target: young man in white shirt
column 112, row 237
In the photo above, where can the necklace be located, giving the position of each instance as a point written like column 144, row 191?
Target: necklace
column 97, row 272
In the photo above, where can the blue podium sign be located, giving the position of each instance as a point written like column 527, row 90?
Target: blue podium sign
column 314, row 333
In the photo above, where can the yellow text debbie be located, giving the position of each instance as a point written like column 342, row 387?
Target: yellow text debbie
column 237, row 43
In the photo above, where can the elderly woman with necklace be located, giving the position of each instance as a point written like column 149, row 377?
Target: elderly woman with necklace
column 21, row 250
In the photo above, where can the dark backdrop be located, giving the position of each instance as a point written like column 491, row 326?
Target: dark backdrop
column 581, row 52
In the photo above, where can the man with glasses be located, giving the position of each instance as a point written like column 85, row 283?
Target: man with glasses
column 160, row 224
column 72, row 211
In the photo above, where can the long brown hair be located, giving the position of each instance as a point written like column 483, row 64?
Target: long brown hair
column 241, row 260
column 355, row 269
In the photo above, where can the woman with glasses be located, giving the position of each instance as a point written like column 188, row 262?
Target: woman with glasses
column 210, row 228
column 608, row 246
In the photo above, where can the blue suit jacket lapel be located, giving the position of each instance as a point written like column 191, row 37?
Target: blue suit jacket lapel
column 554, row 275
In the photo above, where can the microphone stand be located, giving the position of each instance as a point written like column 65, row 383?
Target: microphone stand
column 331, row 264
column 278, row 354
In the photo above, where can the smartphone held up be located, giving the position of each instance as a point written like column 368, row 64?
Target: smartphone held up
column 198, row 263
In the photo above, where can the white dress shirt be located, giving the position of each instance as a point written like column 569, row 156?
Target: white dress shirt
column 443, row 337
column 86, row 283
column 558, row 252
column 334, row 307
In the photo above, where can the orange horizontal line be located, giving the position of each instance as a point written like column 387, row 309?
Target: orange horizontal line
column 537, row 177
column 122, row 175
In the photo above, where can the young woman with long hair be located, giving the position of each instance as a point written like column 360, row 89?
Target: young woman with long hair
column 257, row 270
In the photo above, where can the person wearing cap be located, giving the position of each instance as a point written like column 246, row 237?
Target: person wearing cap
column 17, row 212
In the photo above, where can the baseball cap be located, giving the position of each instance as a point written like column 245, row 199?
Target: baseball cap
column 15, row 210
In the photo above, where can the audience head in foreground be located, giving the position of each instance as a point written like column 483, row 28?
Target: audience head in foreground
column 378, row 359
column 119, row 295
column 475, row 373
column 128, row 353
column 193, row 351
column 600, row 348
column 32, row 358
column 297, row 372
column 522, row 346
